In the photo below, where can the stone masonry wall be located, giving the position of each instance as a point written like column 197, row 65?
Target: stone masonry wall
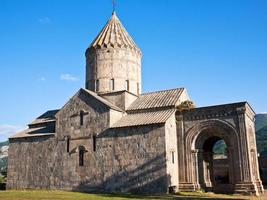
column 96, row 117
column 30, row 162
column 125, row 160
column 171, row 151
column 113, row 63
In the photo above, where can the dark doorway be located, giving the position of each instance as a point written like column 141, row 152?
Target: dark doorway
column 213, row 164
column 220, row 163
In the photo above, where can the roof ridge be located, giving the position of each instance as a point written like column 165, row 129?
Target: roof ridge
column 103, row 100
column 163, row 98
column 153, row 109
column 165, row 90
column 94, row 95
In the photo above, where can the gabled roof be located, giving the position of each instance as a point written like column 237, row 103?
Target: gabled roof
column 114, row 35
column 165, row 98
column 102, row 100
column 144, row 118
column 97, row 97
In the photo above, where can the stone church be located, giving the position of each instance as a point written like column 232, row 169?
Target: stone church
column 111, row 137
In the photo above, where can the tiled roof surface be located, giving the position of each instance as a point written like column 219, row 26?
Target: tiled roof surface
column 33, row 132
column 48, row 116
column 144, row 118
column 114, row 35
column 165, row 98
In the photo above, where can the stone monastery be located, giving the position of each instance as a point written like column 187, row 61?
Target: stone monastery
column 111, row 137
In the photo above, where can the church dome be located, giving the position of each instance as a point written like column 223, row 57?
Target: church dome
column 114, row 35
column 113, row 61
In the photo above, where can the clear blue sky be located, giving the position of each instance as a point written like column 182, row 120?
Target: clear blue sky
column 216, row 49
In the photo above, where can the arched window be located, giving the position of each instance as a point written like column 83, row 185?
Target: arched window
column 81, row 117
column 81, row 156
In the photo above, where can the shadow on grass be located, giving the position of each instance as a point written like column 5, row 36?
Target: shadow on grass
column 166, row 197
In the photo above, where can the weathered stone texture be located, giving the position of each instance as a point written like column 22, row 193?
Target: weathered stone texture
column 30, row 162
column 96, row 117
column 138, row 160
column 126, row 160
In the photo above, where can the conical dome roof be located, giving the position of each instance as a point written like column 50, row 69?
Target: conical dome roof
column 114, row 35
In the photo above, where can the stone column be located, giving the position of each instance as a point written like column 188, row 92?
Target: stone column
column 180, row 147
column 230, row 151
column 184, row 158
column 245, row 183
column 255, row 168
column 208, row 170
column 195, row 169
column 201, row 178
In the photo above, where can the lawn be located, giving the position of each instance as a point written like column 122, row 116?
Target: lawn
column 61, row 195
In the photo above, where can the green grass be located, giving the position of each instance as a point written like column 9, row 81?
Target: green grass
column 63, row 195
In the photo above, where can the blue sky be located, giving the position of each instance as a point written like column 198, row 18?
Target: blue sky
column 216, row 49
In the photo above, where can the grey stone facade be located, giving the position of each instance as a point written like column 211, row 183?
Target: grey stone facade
column 109, row 137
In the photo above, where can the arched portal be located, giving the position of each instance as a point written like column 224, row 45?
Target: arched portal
column 211, row 172
column 198, row 132
column 214, row 166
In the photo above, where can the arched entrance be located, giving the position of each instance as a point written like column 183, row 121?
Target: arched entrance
column 214, row 170
column 214, row 166
column 198, row 132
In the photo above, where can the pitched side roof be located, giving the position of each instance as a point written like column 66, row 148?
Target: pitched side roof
column 165, row 98
column 114, row 35
column 44, row 125
column 48, row 116
column 144, row 118
column 33, row 132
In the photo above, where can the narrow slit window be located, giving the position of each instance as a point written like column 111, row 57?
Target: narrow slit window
column 81, row 118
column 138, row 88
column 127, row 86
column 94, row 143
column 81, row 156
column 97, row 85
column 172, row 156
column 68, row 144
column 112, row 84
